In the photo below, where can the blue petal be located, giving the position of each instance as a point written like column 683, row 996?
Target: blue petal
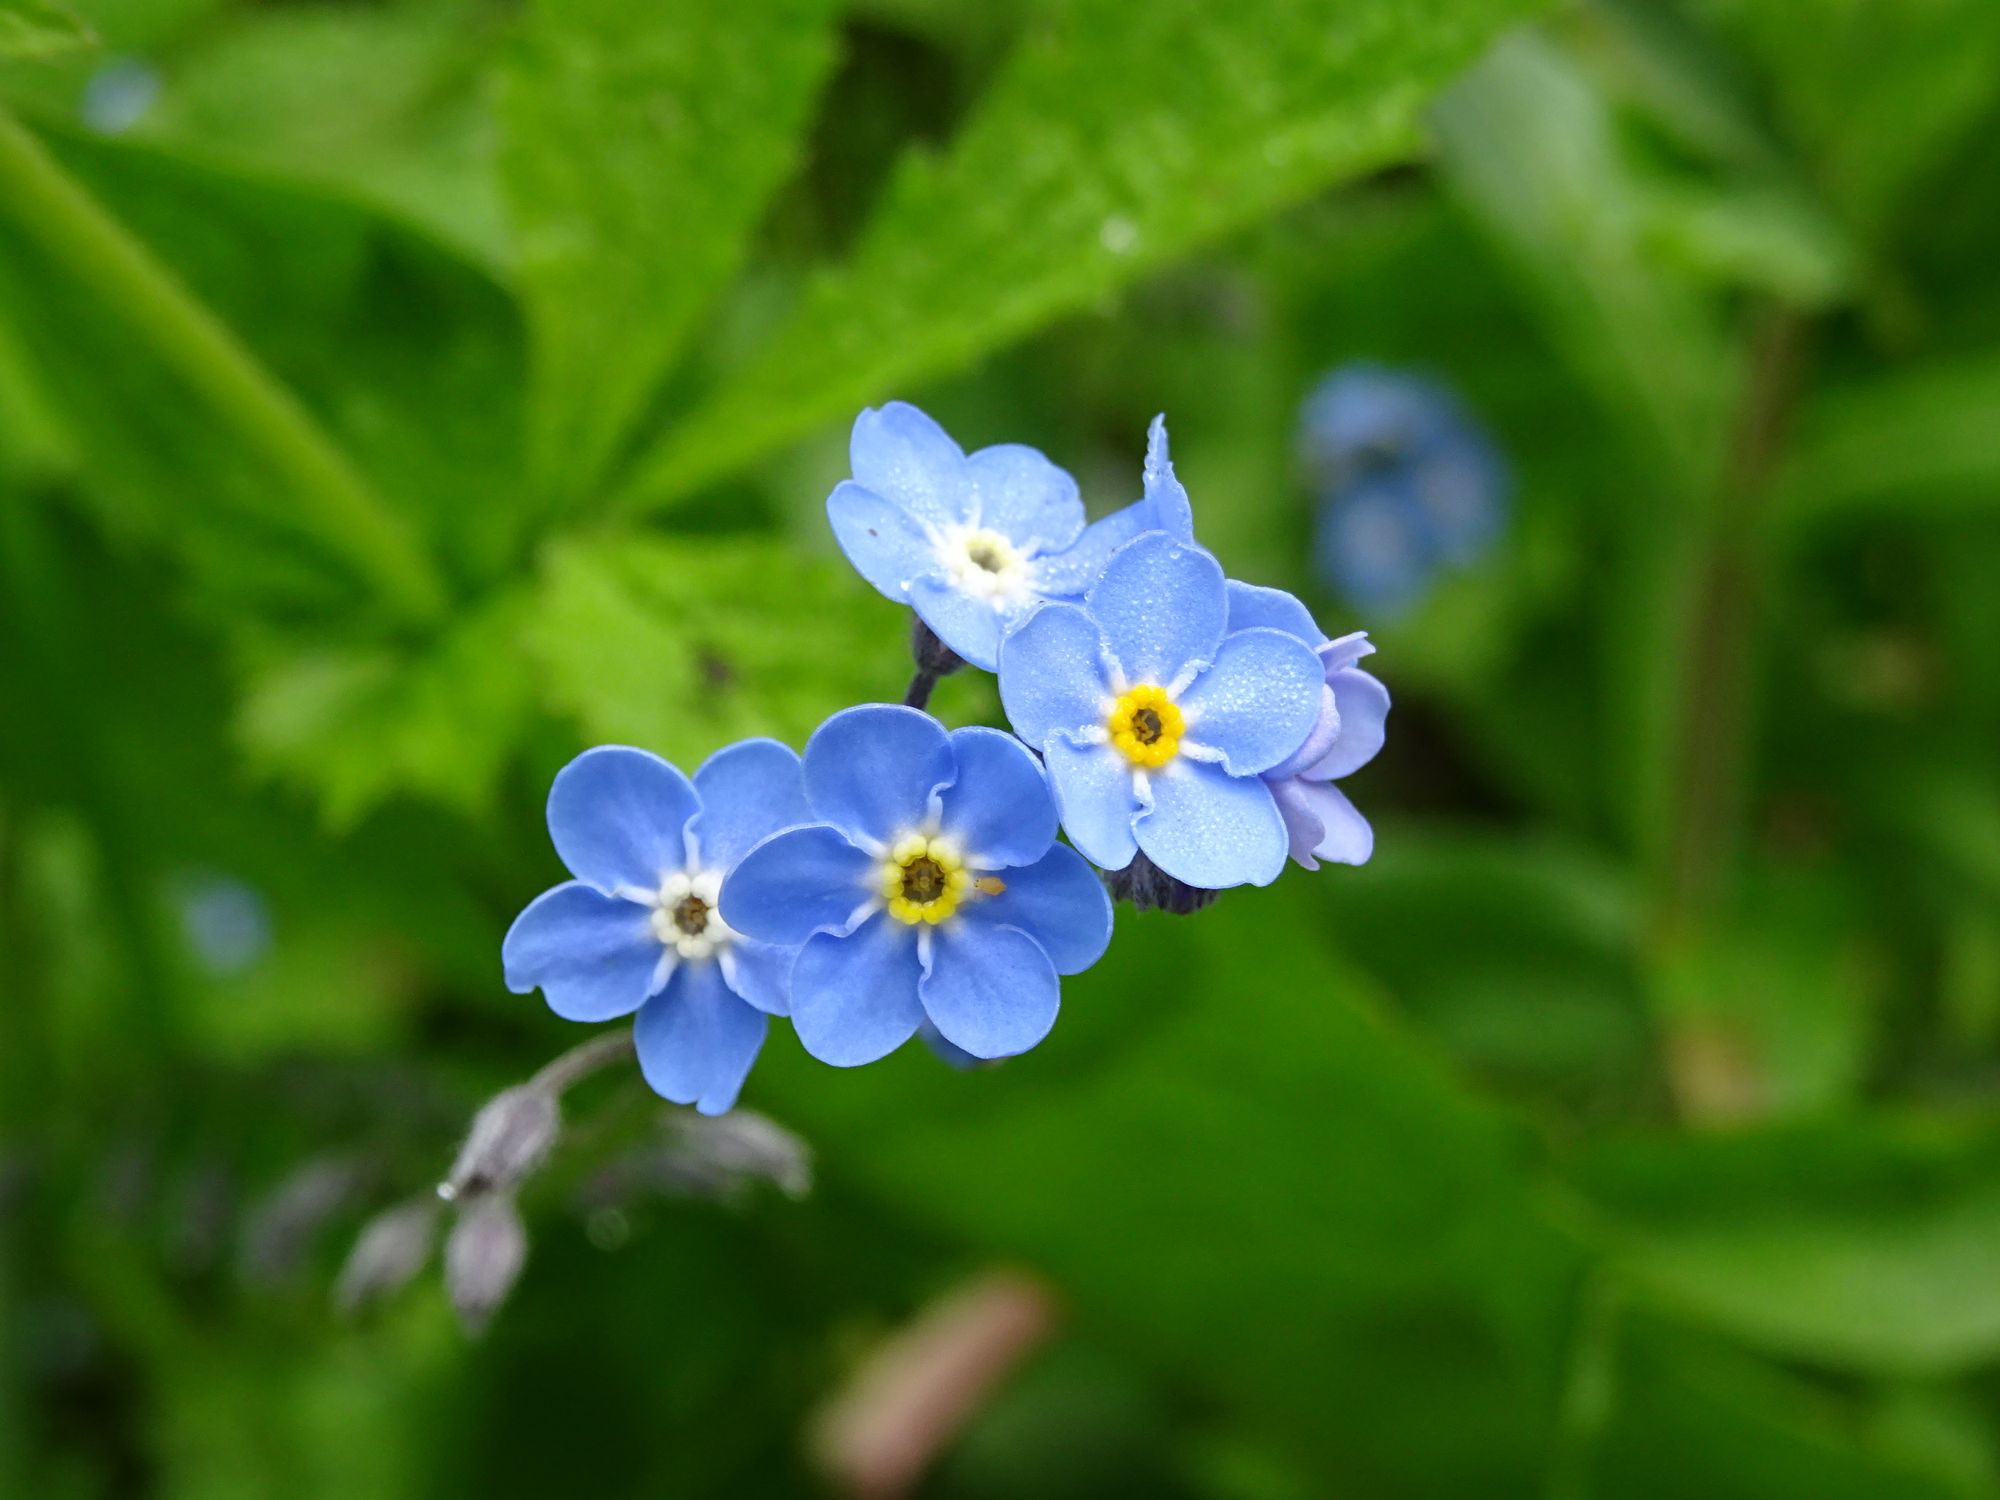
column 971, row 627
column 990, row 990
column 796, row 883
column 1060, row 902
column 854, row 998
column 1069, row 574
column 1052, row 676
column 903, row 456
column 1252, row 607
column 618, row 816
column 748, row 792
column 1020, row 494
column 1173, row 513
column 886, row 545
column 1364, row 724
column 1339, row 654
column 1322, row 824
column 761, row 973
column 1259, row 701
column 593, row 956
column 871, row 771
column 1211, row 829
column 696, row 1040
column 999, row 809
column 1161, row 606
column 1094, row 797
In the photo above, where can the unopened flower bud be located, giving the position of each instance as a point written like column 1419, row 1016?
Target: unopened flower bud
column 281, row 1229
column 483, row 1258
column 1149, row 888
column 393, row 1247
column 509, row 1138
column 743, row 1145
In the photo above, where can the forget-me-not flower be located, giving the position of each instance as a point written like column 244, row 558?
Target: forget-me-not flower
column 1409, row 482
column 930, row 887
column 1320, row 821
column 971, row 542
column 639, row 930
column 1157, row 723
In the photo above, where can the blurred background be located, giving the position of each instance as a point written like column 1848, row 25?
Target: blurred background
column 397, row 396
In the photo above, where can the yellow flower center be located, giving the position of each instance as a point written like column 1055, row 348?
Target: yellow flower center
column 923, row 879
column 1146, row 726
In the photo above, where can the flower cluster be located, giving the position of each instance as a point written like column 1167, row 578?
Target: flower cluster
column 1408, row 483
column 900, row 879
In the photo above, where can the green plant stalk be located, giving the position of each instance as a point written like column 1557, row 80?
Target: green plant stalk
column 93, row 247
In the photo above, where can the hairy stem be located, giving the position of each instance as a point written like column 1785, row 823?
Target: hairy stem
column 88, row 243
column 584, row 1059
column 1713, row 730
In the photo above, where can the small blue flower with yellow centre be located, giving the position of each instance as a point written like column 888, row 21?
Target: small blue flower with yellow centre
column 929, row 888
column 971, row 542
column 1157, row 723
column 1353, row 721
column 639, row 930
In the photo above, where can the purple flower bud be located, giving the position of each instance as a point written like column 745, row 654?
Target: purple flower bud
column 510, row 1137
column 483, row 1258
column 393, row 1247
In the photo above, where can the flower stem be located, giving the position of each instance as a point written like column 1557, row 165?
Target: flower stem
column 91, row 245
column 584, row 1059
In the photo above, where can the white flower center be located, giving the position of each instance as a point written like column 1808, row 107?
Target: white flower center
column 983, row 563
column 685, row 918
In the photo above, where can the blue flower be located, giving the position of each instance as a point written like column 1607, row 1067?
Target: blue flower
column 638, row 929
column 930, row 887
column 1409, row 483
column 1157, row 723
column 1354, row 710
column 971, row 542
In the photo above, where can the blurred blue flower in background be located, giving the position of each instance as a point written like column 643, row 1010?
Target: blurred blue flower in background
column 118, row 95
column 226, row 924
column 1156, row 729
column 931, row 888
column 1408, row 482
column 971, row 542
column 638, row 929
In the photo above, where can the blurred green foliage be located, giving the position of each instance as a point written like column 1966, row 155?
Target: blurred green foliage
column 398, row 395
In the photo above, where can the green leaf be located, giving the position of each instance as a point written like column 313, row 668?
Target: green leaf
column 641, row 143
column 41, row 28
column 1918, row 437
column 1117, row 138
column 1695, row 1420
column 1241, row 1168
column 385, row 103
column 355, row 726
column 1863, row 1245
column 682, row 645
column 1530, row 143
